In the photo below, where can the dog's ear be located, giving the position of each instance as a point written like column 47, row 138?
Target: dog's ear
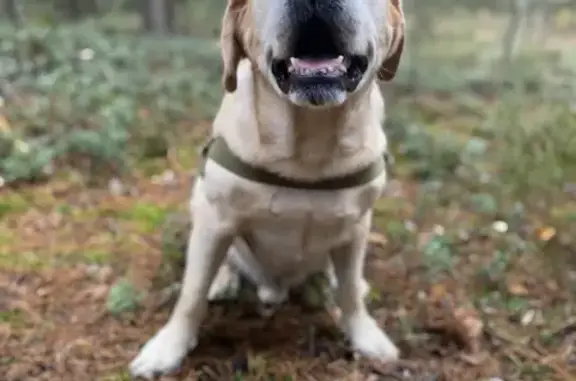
column 395, row 22
column 231, row 42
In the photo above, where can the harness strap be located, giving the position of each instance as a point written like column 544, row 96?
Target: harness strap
column 217, row 149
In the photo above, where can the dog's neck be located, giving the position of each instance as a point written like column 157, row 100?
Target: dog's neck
column 264, row 129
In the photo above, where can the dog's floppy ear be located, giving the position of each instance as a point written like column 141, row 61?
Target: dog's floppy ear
column 395, row 23
column 230, row 42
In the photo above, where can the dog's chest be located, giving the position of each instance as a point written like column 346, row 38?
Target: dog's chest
column 290, row 232
column 295, row 233
column 309, row 222
column 300, row 223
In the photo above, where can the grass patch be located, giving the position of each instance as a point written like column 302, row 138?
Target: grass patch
column 84, row 95
column 147, row 217
column 121, row 376
column 123, row 297
column 92, row 257
column 24, row 260
column 12, row 203
column 15, row 317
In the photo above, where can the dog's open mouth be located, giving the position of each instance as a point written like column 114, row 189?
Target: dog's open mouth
column 343, row 71
column 319, row 68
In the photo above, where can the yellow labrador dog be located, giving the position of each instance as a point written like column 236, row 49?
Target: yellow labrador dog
column 294, row 167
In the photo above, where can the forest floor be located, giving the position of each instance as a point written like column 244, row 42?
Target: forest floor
column 464, row 296
column 471, row 260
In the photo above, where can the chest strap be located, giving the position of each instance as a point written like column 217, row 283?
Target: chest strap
column 217, row 149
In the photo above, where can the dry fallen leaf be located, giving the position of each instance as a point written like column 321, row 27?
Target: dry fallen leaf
column 546, row 233
column 4, row 125
column 517, row 288
column 438, row 292
column 462, row 324
column 377, row 239
column 475, row 358
column 468, row 326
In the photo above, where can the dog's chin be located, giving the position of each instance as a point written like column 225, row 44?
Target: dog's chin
column 317, row 95
column 319, row 82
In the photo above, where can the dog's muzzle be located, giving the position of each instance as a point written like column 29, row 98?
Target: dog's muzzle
column 319, row 68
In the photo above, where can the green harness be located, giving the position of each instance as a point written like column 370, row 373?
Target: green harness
column 217, row 149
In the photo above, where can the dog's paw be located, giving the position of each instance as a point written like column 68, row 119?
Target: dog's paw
column 163, row 353
column 370, row 341
column 226, row 284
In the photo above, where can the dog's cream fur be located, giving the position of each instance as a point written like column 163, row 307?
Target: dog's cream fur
column 291, row 233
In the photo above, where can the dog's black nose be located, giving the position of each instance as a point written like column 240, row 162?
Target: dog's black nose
column 303, row 10
column 317, row 27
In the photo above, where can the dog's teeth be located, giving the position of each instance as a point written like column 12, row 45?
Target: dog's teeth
column 293, row 61
column 303, row 68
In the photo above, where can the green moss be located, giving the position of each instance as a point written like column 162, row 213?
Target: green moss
column 121, row 376
column 151, row 167
column 187, row 156
column 12, row 203
column 27, row 260
column 38, row 260
column 65, row 209
column 566, row 212
column 96, row 257
column 387, row 209
column 147, row 217
column 15, row 317
column 7, row 236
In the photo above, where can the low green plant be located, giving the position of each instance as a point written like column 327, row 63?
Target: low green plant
column 123, row 297
column 98, row 101
column 438, row 255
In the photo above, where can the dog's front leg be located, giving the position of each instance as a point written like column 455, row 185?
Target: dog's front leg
column 207, row 247
column 363, row 331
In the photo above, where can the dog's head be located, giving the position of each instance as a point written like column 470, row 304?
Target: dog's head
column 314, row 52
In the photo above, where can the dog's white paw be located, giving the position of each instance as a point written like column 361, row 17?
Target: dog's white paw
column 270, row 295
column 163, row 353
column 370, row 341
column 226, row 284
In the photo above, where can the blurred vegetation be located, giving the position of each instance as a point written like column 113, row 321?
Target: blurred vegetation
column 75, row 94
column 486, row 92
column 78, row 83
column 485, row 97
column 481, row 119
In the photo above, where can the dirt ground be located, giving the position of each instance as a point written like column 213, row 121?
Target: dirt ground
column 63, row 246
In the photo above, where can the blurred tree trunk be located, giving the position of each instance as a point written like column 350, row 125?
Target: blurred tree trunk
column 158, row 15
column 540, row 15
column 513, row 34
column 89, row 7
column 14, row 11
column 421, row 32
column 77, row 9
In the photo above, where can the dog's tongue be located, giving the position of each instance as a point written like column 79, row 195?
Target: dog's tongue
column 315, row 64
